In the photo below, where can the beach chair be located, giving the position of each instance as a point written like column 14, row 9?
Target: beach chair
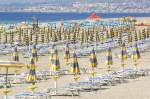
column 2, row 83
column 104, row 80
column 63, row 91
column 32, row 95
column 17, row 79
column 132, row 73
column 110, row 78
column 43, row 74
column 86, row 86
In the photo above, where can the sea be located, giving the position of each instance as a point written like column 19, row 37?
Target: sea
column 16, row 17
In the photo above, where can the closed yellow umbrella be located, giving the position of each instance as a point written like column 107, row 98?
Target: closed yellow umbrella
column 31, row 77
column 109, row 60
column 136, row 55
column 123, row 55
column 93, row 61
column 34, row 53
column 55, row 66
column 75, row 67
column 15, row 55
column 16, row 58
column 67, row 54
column 52, row 54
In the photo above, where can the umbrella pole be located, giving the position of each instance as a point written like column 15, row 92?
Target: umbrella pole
column 123, row 64
column 75, row 78
column 16, row 72
column 6, row 77
column 67, row 60
column 96, row 47
column 55, row 84
column 93, row 74
column 5, row 97
column 33, row 83
column 135, row 64
column 108, row 68
column 75, row 81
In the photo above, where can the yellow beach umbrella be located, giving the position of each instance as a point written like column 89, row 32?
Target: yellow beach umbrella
column 55, row 66
column 31, row 77
column 93, row 61
column 16, row 58
column 109, row 60
column 136, row 55
column 67, row 54
column 51, row 55
column 123, row 55
column 75, row 66
column 15, row 55
column 34, row 53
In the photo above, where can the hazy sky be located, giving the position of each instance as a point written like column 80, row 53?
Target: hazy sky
column 20, row 1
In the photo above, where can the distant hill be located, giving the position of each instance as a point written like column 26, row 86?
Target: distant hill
column 34, row 2
column 8, row 2
column 15, row 5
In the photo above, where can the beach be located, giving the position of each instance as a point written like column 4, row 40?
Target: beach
column 137, row 88
column 134, row 88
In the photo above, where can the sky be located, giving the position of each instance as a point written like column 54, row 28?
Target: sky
column 31, row 1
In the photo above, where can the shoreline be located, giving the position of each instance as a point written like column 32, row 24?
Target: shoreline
column 53, row 17
column 139, row 19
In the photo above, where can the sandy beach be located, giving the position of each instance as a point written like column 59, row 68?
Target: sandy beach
column 132, row 89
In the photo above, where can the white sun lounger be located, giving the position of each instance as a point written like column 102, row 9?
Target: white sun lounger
column 84, row 86
column 31, row 95
column 63, row 91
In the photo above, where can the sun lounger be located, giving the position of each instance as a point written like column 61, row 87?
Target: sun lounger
column 131, row 73
column 31, row 95
column 114, row 77
column 104, row 80
column 84, row 86
column 63, row 91
column 17, row 79
column 2, row 83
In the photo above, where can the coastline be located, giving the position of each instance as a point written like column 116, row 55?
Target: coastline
column 11, row 17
